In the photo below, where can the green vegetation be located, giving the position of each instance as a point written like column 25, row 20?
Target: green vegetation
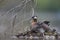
column 48, row 4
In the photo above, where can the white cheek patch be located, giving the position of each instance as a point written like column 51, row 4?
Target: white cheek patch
column 35, row 17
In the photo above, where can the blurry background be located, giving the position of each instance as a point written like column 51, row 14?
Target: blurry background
column 15, row 15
